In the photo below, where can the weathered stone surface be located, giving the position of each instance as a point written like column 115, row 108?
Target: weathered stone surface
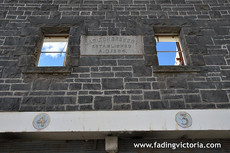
column 112, row 83
column 121, row 99
column 34, row 100
column 91, row 86
column 61, row 100
column 75, row 86
column 103, row 103
column 41, row 84
column 138, row 86
column 151, row 95
column 177, row 83
column 140, row 105
column 9, row 104
column 85, row 99
column 214, row 96
column 192, row 98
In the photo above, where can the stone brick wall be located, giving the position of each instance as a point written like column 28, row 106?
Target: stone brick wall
column 114, row 82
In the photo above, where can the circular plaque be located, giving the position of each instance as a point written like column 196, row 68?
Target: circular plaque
column 41, row 121
column 183, row 119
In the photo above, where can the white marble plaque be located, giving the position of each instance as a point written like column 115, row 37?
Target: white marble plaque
column 112, row 45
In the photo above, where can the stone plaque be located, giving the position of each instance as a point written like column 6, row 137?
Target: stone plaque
column 112, row 45
column 183, row 119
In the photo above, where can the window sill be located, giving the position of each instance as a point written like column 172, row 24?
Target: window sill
column 175, row 69
column 47, row 70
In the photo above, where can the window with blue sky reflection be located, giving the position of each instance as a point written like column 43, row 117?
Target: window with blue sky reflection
column 169, row 51
column 53, row 52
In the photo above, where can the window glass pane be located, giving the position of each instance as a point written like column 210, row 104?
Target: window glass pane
column 166, row 46
column 166, row 58
column 54, row 46
column 51, row 59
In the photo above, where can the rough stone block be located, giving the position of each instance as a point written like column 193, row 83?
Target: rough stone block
column 34, row 100
column 85, row 99
column 178, row 82
column 159, row 105
column 61, row 100
column 214, row 96
column 75, row 86
column 140, row 105
column 151, row 95
column 214, row 60
column 41, row 84
column 138, row 86
column 177, row 104
column 139, row 71
column 9, row 104
column 192, row 98
column 59, row 86
column 121, row 99
column 21, row 86
column 91, row 86
column 113, row 83
column 102, row 103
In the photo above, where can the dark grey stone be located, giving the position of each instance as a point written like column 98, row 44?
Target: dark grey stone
column 139, row 71
column 49, row 7
column 140, row 105
column 123, row 74
column 214, row 60
column 203, row 106
column 34, row 100
column 61, row 100
column 59, row 86
column 102, row 74
column 41, row 84
column 121, row 99
column 138, row 86
column 177, row 105
column 91, row 87
column 214, row 96
column 122, row 107
column 192, row 98
column 86, row 107
column 159, row 105
column 72, row 107
column 103, row 103
column 113, row 83
column 85, row 99
column 151, row 95
column 177, row 82
column 75, row 86
column 9, row 104
column 4, row 87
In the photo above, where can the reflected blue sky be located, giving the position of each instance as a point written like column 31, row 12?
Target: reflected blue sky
column 166, row 58
column 52, row 59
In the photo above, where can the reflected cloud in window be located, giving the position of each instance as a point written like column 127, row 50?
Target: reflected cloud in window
column 53, row 52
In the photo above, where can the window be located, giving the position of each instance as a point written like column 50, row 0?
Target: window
column 169, row 51
column 53, row 52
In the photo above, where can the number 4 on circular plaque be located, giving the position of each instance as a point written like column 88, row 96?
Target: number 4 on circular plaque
column 41, row 121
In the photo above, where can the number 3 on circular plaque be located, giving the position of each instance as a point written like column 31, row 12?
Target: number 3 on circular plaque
column 41, row 121
column 183, row 119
